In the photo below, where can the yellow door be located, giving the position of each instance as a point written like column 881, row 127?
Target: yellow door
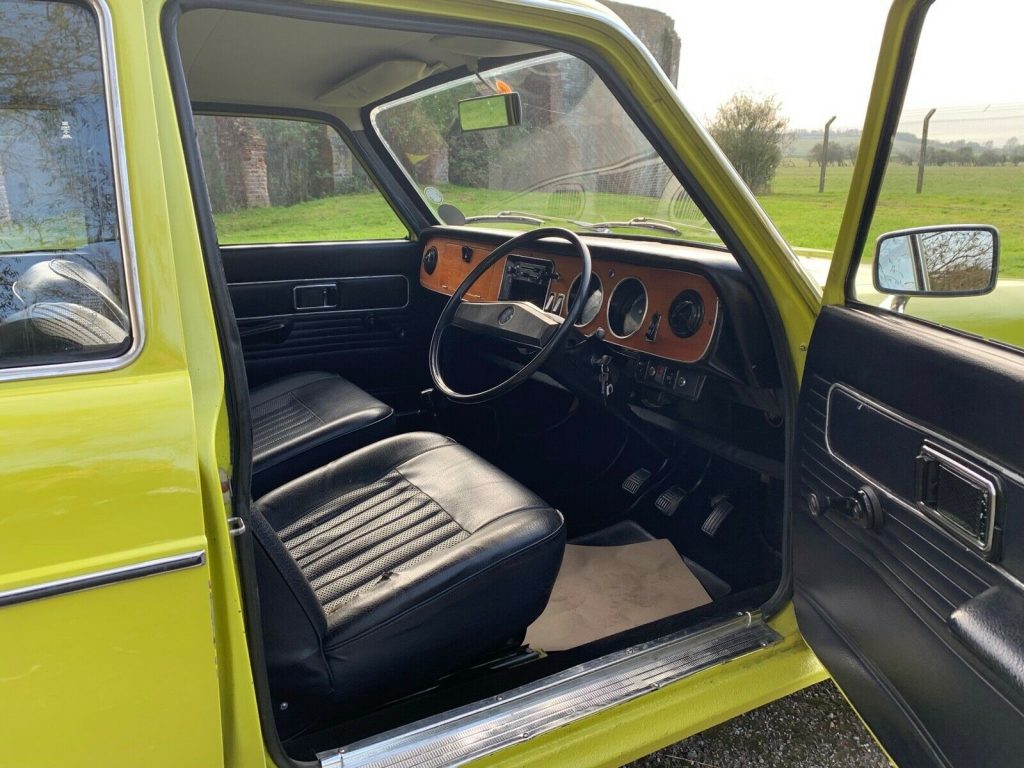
column 107, row 643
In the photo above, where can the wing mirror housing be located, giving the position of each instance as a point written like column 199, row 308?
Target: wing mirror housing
column 502, row 110
column 957, row 260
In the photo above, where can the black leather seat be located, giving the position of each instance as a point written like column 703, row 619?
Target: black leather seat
column 393, row 566
column 306, row 420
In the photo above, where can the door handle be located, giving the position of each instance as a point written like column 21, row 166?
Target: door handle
column 315, row 296
column 960, row 496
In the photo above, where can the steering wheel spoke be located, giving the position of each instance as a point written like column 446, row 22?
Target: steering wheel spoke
column 518, row 322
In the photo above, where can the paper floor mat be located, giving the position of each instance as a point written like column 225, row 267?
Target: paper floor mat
column 601, row 591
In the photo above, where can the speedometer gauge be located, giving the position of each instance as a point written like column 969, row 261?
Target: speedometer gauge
column 595, row 298
column 627, row 307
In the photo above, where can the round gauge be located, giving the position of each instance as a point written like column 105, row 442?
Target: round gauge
column 595, row 298
column 686, row 314
column 627, row 307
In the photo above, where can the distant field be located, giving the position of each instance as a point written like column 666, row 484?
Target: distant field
column 951, row 195
column 805, row 218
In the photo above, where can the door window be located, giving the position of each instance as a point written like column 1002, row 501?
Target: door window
column 63, row 285
column 273, row 180
column 957, row 159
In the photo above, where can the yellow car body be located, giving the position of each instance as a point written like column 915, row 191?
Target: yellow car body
column 120, row 469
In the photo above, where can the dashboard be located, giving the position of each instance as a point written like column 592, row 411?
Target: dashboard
column 672, row 314
column 685, row 351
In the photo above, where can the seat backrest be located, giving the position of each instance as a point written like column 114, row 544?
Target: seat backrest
column 65, row 281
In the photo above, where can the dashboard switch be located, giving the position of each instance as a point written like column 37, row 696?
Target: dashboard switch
column 652, row 329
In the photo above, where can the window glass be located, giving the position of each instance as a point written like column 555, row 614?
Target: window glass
column 971, row 170
column 573, row 158
column 288, row 181
column 767, row 103
column 63, row 291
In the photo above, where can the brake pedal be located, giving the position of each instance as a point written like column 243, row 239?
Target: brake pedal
column 636, row 481
column 720, row 509
column 669, row 500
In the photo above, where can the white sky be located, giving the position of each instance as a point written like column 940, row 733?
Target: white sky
column 818, row 57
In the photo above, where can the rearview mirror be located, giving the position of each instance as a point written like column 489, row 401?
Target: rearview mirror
column 959, row 260
column 503, row 110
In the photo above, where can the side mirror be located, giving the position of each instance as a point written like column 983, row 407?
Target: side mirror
column 503, row 110
column 960, row 260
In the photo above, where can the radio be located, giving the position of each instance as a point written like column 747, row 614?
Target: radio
column 526, row 279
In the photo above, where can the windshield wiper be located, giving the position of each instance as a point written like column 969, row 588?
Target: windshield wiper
column 637, row 222
column 516, row 216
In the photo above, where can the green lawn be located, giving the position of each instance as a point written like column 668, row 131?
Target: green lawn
column 951, row 195
column 805, row 218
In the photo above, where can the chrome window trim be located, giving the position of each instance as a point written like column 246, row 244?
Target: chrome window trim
column 115, row 134
column 313, row 244
column 467, row 733
column 101, row 578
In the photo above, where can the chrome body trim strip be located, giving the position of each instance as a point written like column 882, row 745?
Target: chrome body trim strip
column 115, row 132
column 101, row 578
column 468, row 733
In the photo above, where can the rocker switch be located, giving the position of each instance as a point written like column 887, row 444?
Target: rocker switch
column 652, row 329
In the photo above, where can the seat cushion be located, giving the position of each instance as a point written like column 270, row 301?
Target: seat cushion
column 306, row 420
column 409, row 558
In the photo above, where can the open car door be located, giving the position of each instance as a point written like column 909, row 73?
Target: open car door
column 908, row 504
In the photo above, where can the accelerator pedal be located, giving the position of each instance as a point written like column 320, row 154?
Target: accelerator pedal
column 720, row 509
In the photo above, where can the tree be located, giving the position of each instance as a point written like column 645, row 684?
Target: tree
column 752, row 133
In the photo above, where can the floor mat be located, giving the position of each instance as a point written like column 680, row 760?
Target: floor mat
column 601, row 591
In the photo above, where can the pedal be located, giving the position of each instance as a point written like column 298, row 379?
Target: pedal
column 720, row 509
column 636, row 481
column 669, row 500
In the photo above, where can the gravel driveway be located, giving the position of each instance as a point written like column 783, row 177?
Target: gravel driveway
column 813, row 728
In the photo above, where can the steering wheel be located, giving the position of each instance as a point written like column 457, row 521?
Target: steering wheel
column 519, row 322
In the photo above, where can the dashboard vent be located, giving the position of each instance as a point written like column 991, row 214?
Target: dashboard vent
column 430, row 260
column 686, row 314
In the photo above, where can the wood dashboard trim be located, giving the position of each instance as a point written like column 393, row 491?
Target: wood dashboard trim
column 662, row 285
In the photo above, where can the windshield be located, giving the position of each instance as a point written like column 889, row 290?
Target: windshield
column 574, row 159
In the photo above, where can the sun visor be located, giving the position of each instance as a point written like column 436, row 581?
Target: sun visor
column 484, row 48
column 377, row 81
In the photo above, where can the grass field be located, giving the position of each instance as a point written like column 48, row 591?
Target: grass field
column 990, row 195
column 951, row 195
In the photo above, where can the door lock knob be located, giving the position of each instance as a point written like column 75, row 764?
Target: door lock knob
column 864, row 507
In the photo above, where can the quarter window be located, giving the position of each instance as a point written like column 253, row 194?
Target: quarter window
column 273, row 180
column 63, row 285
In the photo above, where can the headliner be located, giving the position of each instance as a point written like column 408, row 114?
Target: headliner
column 258, row 60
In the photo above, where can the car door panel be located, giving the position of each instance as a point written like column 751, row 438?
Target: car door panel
column 897, row 612
column 352, row 308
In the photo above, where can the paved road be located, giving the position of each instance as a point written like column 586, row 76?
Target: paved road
column 814, row 728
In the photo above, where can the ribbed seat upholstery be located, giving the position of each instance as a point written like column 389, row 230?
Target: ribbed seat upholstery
column 395, row 565
column 306, row 420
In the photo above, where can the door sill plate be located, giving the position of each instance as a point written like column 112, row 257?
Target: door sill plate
column 473, row 731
